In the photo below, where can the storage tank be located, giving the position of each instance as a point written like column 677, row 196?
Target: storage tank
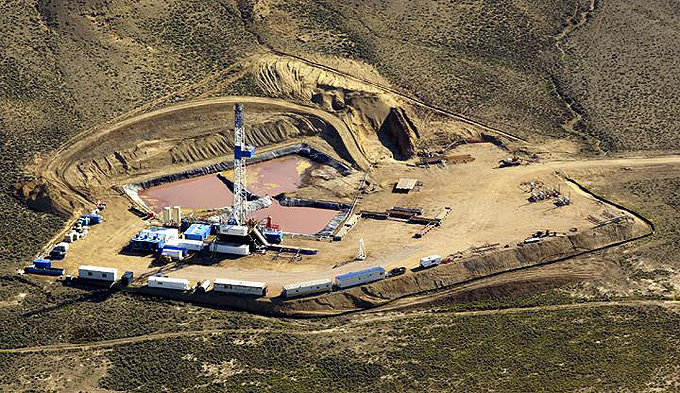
column 177, row 214
column 167, row 215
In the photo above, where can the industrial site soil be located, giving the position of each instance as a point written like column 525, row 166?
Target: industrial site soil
column 537, row 142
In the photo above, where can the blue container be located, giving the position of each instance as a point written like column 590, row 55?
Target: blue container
column 273, row 236
column 197, row 232
column 42, row 263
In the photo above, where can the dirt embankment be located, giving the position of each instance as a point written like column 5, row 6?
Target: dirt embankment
column 420, row 284
column 181, row 134
column 457, row 272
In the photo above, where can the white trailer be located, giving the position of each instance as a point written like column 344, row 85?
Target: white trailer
column 360, row 277
column 179, row 284
column 230, row 248
column 240, row 287
column 98, row 273
column 191, row 245
column 432, row 260
column 174, row 254
column 307, row 288
column 233, row 230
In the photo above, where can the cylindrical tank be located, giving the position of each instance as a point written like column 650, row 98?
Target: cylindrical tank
column 177, row 213
column 167, row 215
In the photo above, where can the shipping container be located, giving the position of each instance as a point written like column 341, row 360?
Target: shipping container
column 41, row 263
column 97, row 273
column 307, row 288
column 197, row 232
column 168, row 283
column 432, row 260
column 240, row 287
column 230, row 248
column 360, row 277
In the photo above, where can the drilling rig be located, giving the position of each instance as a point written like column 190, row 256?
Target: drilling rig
column 235, row 224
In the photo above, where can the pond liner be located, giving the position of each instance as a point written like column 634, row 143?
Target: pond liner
column 329, row 229
column 301, row 149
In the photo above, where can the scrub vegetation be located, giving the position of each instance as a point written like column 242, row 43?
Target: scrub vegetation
column 602, row 73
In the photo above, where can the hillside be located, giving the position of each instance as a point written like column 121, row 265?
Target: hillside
column 577, row 79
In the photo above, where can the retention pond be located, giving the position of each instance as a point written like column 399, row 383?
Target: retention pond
column 267, row 178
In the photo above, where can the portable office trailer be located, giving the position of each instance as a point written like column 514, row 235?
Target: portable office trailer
column 240, row 287
column 178, row 284
column 197, row 232
column 360, row 277
column 98, row 273
column 230, row 248
column 307, row 288
column 432, row 260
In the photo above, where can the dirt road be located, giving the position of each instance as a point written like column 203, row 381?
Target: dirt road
column 355, row 322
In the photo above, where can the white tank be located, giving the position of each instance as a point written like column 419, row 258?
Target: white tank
column 177, row 214
column 167, row 215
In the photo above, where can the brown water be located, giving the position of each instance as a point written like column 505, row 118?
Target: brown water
column 203, row 192
column 266, row 178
